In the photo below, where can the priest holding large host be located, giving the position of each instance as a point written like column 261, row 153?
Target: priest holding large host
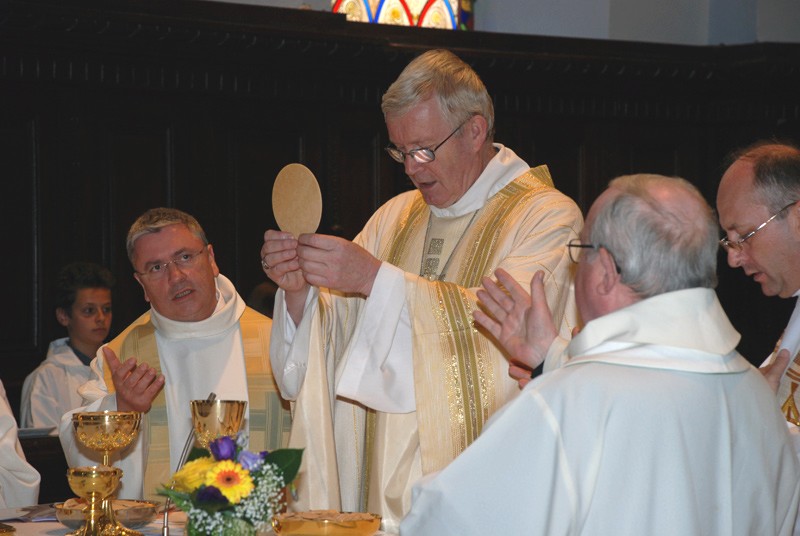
column 373, row 338
column 198, row 337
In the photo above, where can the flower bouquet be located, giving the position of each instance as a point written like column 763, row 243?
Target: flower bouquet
column 231, row 491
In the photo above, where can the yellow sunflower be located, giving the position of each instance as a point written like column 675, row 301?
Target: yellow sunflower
column 231, row 479
column 193, row 474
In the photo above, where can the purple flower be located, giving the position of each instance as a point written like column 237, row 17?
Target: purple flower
column 250, row 460
column 211, row 495
column 223, row 448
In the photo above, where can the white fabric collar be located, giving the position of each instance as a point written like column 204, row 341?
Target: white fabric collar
column 62, row 354
column 230, row 307
column 691, row 320
column 791, row 335
column 503, row 168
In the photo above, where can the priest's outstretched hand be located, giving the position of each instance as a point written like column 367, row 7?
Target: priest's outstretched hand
column 520, row 322
column 136, row 385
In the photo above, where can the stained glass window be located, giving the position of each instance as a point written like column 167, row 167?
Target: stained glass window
column 446, row 14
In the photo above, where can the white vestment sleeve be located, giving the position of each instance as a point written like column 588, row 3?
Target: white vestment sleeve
column 791, row 335
column 790, row 339
column 131, row 460
column 289, row 344
column 379, row 371
column 19, row 481
column 44, row 396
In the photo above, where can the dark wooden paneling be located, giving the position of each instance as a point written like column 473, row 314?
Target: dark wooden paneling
column 46, row 456
column 20, row 232
column 110, row 107
column 257, row 154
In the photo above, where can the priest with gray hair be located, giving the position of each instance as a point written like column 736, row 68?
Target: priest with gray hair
column 372, row 338
column 653, row 424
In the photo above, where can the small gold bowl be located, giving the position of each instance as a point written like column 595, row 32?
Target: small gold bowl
column 326, row 523
column 132, row 514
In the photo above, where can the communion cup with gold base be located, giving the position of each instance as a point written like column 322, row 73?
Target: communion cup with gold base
column 213, row 419
column 106, row 432
column 93, row 483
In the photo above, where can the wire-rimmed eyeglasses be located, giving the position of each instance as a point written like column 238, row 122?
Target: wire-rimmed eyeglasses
column 574, row 256
column 160, row 269
column 736, row 245
column 423, row 155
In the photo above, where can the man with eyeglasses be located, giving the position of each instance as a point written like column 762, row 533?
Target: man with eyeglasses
column 654, row 425
column 197, row 338
column 373, row 338
column 758, row 208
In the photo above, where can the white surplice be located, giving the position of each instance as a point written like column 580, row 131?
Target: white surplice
column 654, row 426
column 51, row 389
column 19, row 481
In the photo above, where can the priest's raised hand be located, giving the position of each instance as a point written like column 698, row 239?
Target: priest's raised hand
column 136, row 385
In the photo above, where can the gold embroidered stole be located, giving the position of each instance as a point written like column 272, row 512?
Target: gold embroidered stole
column 269, row 421
column 454, row 369
column 788, row 397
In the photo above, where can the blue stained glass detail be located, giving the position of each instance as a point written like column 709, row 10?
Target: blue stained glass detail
column 378, row 10
column 370, row 18
column 452, row 15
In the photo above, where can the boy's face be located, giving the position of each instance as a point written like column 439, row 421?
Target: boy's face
column 89, row 320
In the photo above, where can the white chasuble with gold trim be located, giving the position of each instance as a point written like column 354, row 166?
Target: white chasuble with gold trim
column 359, row 459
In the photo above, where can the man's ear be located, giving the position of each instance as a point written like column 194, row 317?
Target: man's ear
column 609, row 277
column 62, row 317
column 138, row 279
column 794, row 218
column 213, row 261
column 477, row 128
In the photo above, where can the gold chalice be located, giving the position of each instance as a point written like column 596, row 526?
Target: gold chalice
column 106, row 432
column 212, row 419
column 93, row 483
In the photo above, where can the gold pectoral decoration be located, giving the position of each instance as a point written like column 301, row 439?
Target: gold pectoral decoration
column 789, row 406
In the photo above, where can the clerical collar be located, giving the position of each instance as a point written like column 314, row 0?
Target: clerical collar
column 85, row 359
column 230, row 307
column 503, row 168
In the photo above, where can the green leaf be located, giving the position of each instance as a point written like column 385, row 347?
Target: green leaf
column 287, row 461
column 197, row 452
column 181, row 499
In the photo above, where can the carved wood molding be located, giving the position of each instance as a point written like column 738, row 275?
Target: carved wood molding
column 307, row 56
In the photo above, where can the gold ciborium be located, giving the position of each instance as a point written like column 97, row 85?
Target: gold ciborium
column 106, row 432
column 94, row 484
column 212, row 419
